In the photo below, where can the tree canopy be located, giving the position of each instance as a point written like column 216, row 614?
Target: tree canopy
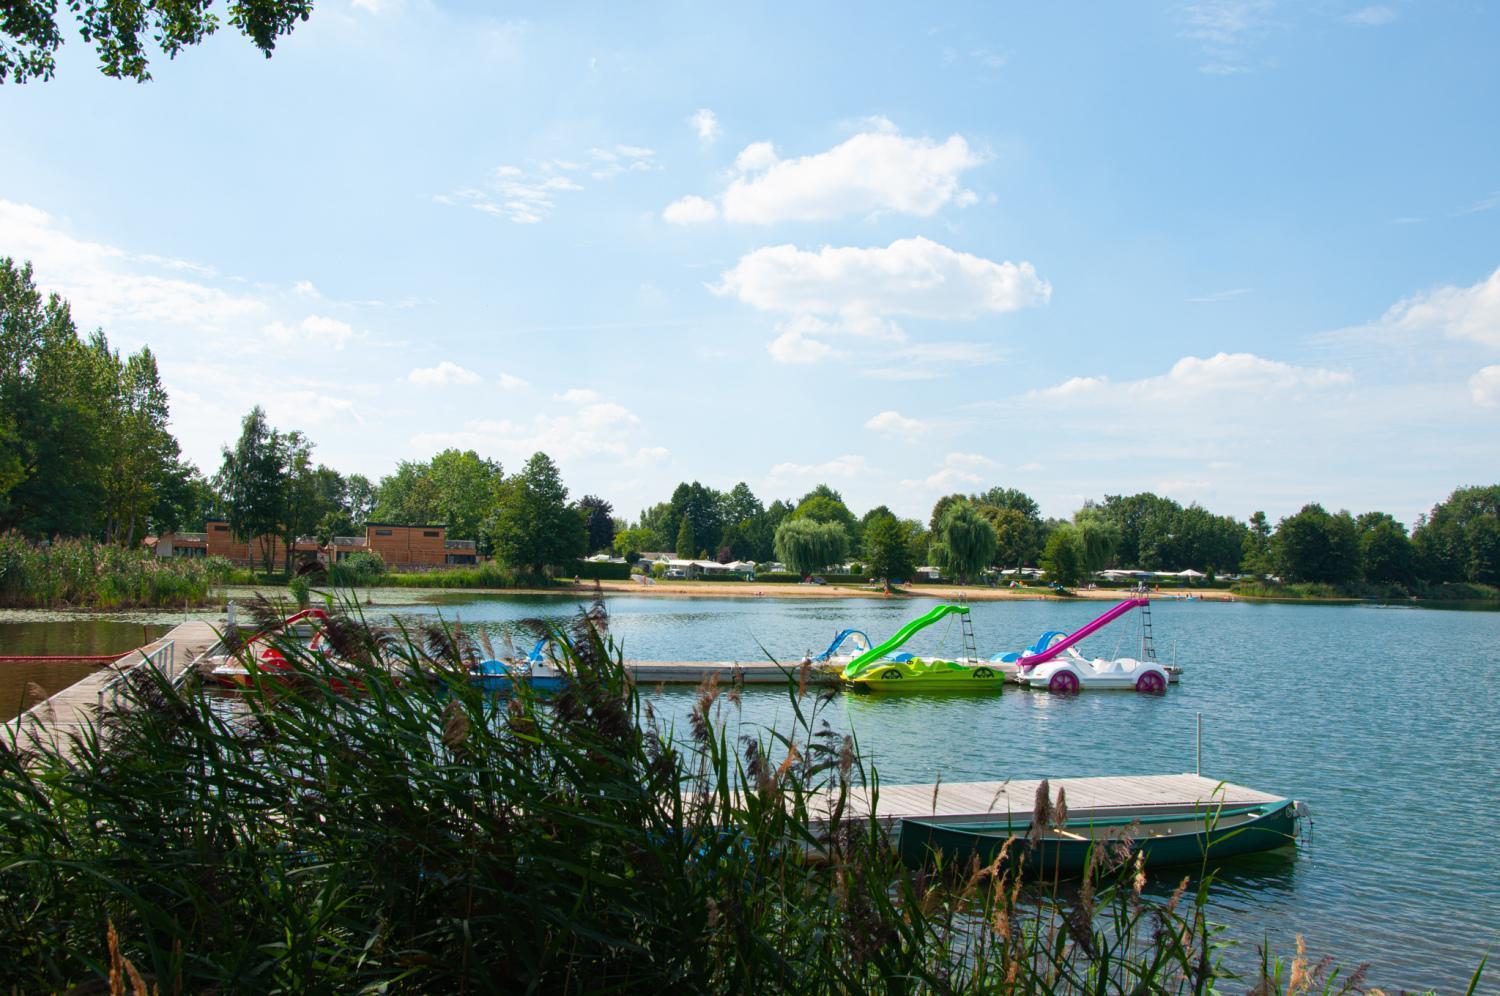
column 808, row 546
column 124, row 32
column 967, row 540
column 533, row 527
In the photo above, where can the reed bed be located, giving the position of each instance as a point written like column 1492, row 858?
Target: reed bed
column 384, row 826
column 80, row 573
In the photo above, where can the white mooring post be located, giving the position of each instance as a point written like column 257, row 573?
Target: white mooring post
column 1199, row 723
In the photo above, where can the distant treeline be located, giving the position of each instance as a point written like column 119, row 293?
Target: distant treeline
column 85, row 452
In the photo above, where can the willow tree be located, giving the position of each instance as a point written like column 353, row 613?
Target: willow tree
column 968, row 540
column 808, row 546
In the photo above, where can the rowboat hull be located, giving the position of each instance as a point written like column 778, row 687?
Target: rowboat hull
column 1187, row 839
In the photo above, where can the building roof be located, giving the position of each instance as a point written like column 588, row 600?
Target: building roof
column 405, row 525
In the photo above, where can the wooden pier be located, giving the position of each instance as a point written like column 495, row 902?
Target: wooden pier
column 1015, row 799
column 71, row 709
column 728, row 672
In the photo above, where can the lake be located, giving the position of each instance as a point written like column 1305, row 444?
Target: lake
column 75, row 637
column 1384, row 720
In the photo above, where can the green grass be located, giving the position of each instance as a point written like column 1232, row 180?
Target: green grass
column 73, row 573
column 423, row 837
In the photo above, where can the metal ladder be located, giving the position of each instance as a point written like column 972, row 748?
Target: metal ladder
column 1148, row 643
column 971, row 648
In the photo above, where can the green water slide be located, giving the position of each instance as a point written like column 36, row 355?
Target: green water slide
column 911, row 629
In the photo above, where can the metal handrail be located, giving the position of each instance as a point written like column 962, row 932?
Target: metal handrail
column 167, row 651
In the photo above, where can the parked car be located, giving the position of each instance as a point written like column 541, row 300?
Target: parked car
column 676, row 575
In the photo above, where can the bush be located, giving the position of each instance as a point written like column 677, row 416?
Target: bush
column 364, row 567
column 595, row 570
column 81, row 573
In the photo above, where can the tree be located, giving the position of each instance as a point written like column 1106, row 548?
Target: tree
column 685, row 538
column 891, row 545
column 808, row 546
column 1061, row 558
column 1385, row 549
column 1013, row 499
column 456, row 488
column 123, row 31
column 1097, row 539
column 1315, row 546
column 1453, row 543
column 968, row 540
column 940, row 508
column 532, row 527
column 823, row 504
column 252, row 483
column 631, row 543
column 599, row 521
column 704, row 508
column 1255, row 549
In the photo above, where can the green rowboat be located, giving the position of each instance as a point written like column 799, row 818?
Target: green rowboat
column 1173, row 835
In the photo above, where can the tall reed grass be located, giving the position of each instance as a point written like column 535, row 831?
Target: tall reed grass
column 80, row 573
column 418, row 835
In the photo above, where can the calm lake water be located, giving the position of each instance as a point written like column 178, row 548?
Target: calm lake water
column 76, row 637
column 1385, row 721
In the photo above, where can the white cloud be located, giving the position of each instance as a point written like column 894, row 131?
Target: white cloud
column 915, row 277
column 840, row 468
column 1484, row 387
column 446, row 372
column 1455, row 312
column 316, row 331
column 1373, row 16
column 510, row 382
column 690, row 210
column 794, row 346
column 106, row 285
column 1194, row 378
column 1224, row 29
column 527, row 195
column 578, row 396
column 895, row 424
column 706, row 124
column 594, row 431
column 305, row 288
column 873, row 172
column 959, row 470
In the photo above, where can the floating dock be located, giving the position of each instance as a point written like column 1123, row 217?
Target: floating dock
column 71, row 709
column 728, row 672
column 1016, row 798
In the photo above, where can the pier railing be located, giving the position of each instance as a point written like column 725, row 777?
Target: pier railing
column 163, row 657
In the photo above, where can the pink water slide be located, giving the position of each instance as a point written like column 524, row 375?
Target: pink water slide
column 1027, row 663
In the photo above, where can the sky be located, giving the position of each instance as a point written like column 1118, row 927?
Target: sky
column 1238, row 252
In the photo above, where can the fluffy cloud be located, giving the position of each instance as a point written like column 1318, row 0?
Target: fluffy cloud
column 511, row 382
column 895, row 424
column 1454, row 312
column 592, row 430
column 316, row 331
column 874, row 172
column 706, row 124
column 1191, row 377
column 915, row 277
column 446, row 372
column 840, row 468
column 690, row 210
column 107, row 285
column 578, row 396
column 1484, row 387
column 959, row 470
column 1373, row 16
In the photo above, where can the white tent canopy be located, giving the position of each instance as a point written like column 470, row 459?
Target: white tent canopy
column 1190, row 573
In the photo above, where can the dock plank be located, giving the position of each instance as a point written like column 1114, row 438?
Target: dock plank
column 56, row 719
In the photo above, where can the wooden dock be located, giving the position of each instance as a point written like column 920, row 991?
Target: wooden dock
column 71, row 709
column 728, row 672
column 960, row 801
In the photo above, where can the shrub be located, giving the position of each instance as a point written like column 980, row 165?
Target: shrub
column 364, row 567
column 83, row 573
column 594, row 570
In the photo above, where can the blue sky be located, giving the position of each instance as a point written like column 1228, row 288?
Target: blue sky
column 1242, row 253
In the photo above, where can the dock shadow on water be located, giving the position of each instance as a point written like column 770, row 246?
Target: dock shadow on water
column 367, row 818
